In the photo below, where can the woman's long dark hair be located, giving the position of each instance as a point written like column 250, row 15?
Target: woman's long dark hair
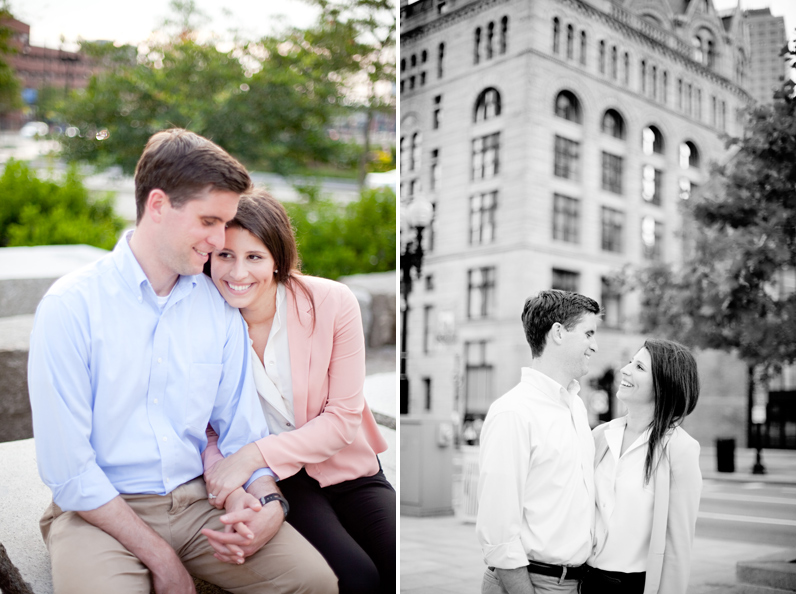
column 675, row 388
column 263, row 216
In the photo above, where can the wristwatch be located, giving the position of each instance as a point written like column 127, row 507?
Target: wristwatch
column 276, row 497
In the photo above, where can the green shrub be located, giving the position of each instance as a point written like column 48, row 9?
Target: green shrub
column 38, row 212
column 336, row 240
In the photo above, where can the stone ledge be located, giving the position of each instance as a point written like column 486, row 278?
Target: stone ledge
column 774, row 573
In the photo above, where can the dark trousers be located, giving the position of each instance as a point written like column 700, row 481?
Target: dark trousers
column 599, row 581
column 351, row 524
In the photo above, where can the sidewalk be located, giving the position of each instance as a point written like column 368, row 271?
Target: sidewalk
column 442, row 555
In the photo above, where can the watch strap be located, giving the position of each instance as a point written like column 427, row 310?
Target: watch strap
column 276, row 497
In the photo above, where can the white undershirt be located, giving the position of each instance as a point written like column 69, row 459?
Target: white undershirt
column 624, row 505
column 272, row 375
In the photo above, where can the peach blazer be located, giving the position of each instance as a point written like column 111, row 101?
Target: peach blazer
column 336, row 437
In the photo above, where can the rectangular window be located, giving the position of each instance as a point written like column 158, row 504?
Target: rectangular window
column 565, row 280
column 486, row 156
column 427, row 392
column 613, row 230
column 566, row 218
column 651, row 180
column 435, row 169
column 427, row 309
column 479, row 392
column 567, row 157
column 437, row 115
column 611, row 301
column 480, row 292
column 652, row 238
column 482, row 218
column 612, row 173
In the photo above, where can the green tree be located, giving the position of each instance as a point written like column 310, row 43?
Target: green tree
column 267, row 102
column 737, row 290
column 37, row 212
column 10, row 87
column 336, row 240
column 361, row 34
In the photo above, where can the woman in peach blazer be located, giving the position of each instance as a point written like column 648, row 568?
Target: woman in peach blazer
column 308, row 359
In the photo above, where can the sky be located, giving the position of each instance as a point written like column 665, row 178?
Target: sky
column 133, row 21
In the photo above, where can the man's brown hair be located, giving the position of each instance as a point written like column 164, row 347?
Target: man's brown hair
column 182, row 164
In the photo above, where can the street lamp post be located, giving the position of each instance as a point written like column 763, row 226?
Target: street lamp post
column 418, row 216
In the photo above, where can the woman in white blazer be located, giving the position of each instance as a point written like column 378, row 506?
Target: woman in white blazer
column 647, row 478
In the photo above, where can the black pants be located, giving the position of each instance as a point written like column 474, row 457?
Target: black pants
column 599, row 581
column 352, row 525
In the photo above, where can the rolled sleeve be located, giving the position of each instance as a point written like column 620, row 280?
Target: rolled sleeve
column 61, row 403
column 505, row 452
column 237, row 415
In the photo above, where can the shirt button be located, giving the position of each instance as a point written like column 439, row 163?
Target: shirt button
column 155, row 401
column 288, row 425
column 160, row 360
column 165, row 438
column 140, row 299
column 167, row 480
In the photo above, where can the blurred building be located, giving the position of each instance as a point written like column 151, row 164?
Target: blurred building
column 767, row 68
column 556, row 140
column 40, row 67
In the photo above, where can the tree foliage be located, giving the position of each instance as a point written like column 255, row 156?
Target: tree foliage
column 37, row 212
column 336, row 240
column 269, row 102
column 737, row 289
column 10, row 87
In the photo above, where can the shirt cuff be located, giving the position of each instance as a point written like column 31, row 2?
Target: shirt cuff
column 510, row 555
column 259, row 473
column 85, row 492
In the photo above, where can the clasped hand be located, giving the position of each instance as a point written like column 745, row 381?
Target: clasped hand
column 248, row 527
column 231, row 472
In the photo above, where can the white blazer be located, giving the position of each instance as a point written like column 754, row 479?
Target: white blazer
column 678, row 486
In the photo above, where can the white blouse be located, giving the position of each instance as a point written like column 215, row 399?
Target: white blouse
column 624, row 505
column 272, row 375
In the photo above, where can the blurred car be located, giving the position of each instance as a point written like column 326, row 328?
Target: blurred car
column 387, row 179
column 32, row 129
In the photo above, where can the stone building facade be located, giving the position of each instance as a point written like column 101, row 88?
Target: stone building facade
column 556, row 140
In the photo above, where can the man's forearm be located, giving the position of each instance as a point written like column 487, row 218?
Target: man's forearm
column 265, row 485
column 119, row 520
column 515, row 581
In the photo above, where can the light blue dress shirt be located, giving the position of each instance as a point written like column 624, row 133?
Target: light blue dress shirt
column 122, row 392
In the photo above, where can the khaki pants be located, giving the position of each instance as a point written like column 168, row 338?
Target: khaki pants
column 87, row 560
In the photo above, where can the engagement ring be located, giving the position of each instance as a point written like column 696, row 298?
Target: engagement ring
column 211, row 496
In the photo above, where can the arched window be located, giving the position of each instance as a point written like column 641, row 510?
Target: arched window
column 504, row 34
column 440, row 58
column 665, row 94
column 423, row 57
column 613, row 124
column 413, row 60
column 654, row 82
column 415, row 151
column 711, row 54
column 490, row 34
column 477, row 55
column 614, row 65
column 689, row 155
column 568, row 107
column 556, row 34
column 403, row 64
column 643, row 76
column 697, row 44
column 583, row 48
column 652, row 141
column 602, row 57
column 487, row 105
column 570, row 42
column 627, row 68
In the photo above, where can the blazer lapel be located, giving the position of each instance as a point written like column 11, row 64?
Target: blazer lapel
column 299, row 330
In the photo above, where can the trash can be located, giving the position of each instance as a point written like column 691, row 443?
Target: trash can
column 725, row 455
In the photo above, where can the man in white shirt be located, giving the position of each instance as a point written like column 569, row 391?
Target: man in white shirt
column 536, row 484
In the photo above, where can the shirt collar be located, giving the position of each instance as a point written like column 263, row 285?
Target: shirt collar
column 548, row 385
column 135, row 277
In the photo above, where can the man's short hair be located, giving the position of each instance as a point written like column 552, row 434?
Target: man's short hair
column 182, row 164
column 548, row 307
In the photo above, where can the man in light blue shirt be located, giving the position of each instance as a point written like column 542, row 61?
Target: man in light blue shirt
column 130, row 359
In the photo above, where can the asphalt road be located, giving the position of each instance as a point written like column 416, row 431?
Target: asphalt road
column 750, row 512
